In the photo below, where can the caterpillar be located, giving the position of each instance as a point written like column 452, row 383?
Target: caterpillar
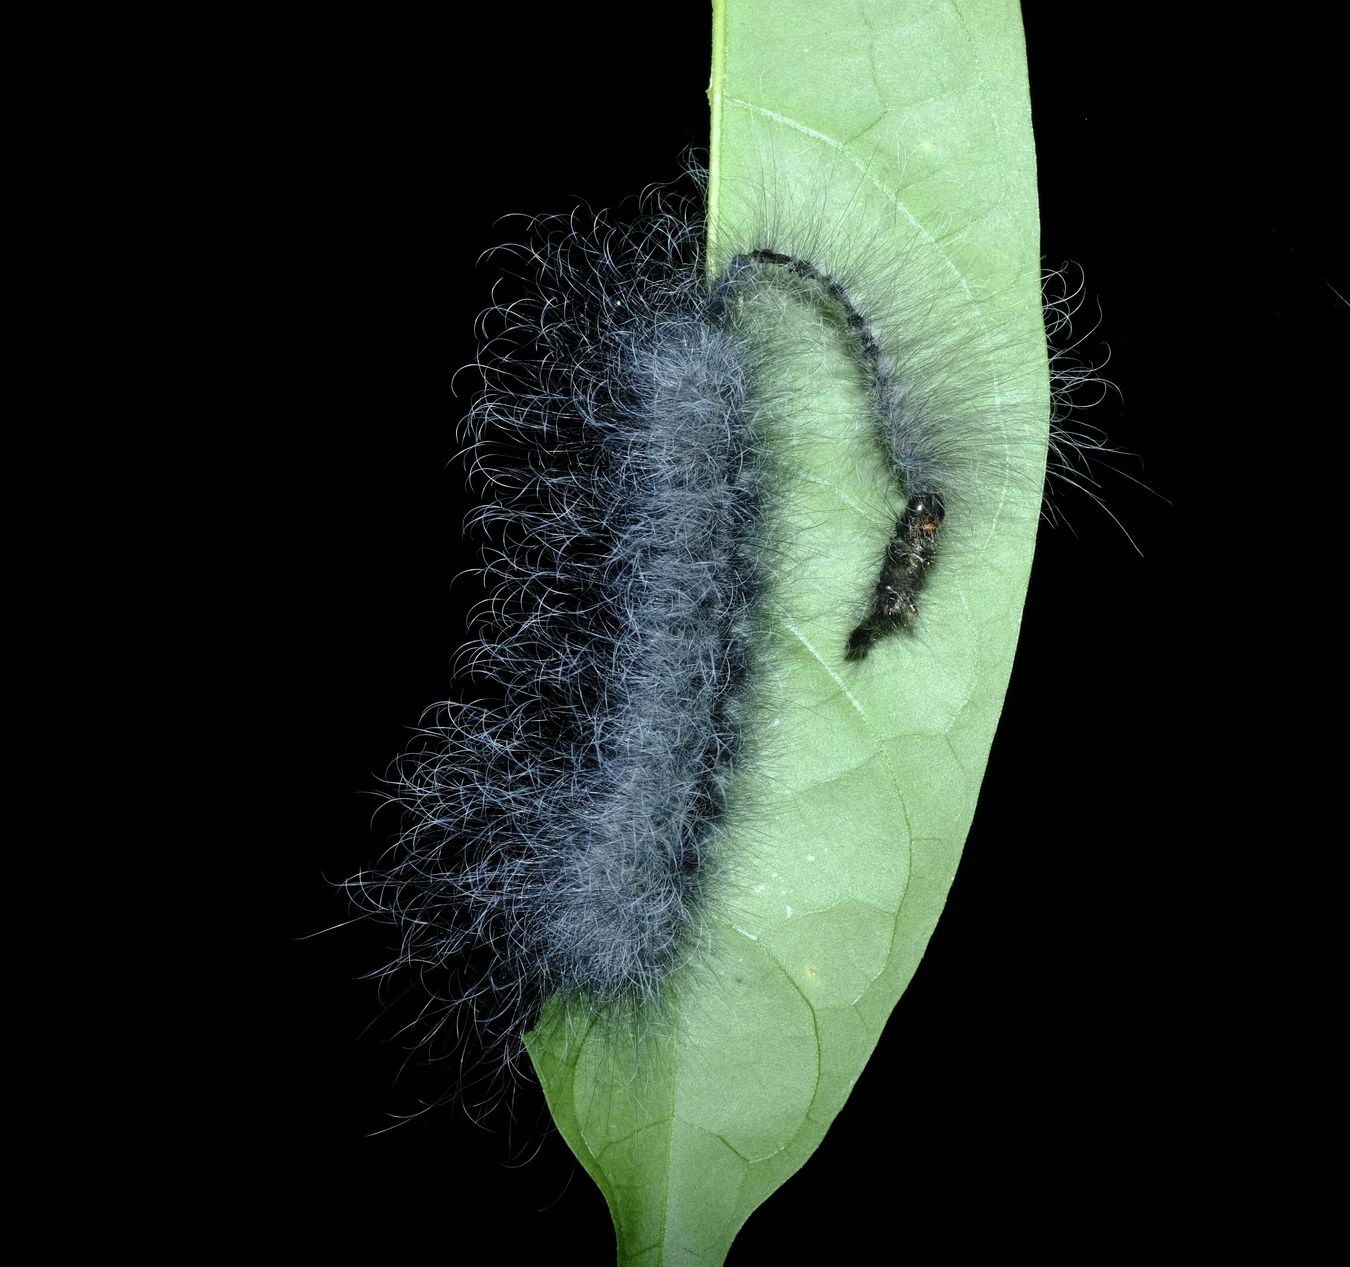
column 910, row 552
column 569, row 838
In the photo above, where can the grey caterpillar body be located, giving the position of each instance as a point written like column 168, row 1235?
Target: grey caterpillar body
column 573, row 833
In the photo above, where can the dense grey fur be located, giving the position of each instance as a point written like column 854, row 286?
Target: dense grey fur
column 571, row 830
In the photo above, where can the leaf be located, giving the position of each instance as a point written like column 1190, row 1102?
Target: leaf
column 909, row 124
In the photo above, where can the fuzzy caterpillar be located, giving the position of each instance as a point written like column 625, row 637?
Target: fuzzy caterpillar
column 910, row 552
column 568, row 841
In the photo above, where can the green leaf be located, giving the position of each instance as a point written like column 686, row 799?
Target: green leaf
column 906, row 127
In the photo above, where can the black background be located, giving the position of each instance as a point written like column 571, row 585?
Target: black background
column 1086, row 1031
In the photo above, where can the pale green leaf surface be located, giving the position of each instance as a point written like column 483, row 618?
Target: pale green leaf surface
column 908, row 121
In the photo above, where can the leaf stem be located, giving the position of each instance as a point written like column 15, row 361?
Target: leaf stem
column 715, row 85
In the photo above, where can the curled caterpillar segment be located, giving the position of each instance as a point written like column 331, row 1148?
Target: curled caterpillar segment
column 868, row 349
column 911, row 551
